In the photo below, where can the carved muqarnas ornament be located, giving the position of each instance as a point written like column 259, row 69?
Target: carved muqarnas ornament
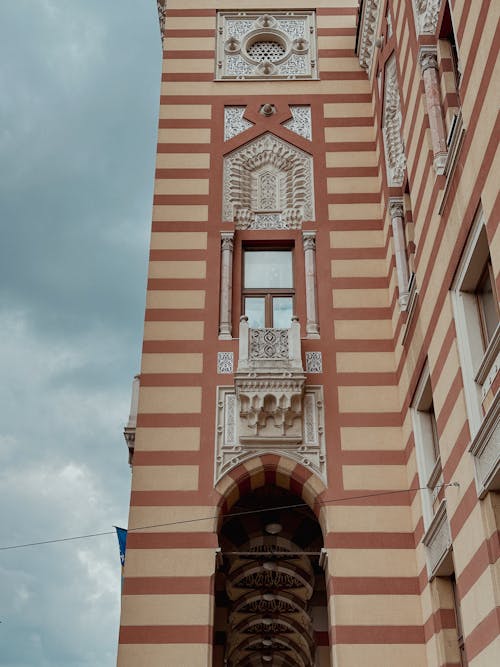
column 270, row 408
column 268, row 184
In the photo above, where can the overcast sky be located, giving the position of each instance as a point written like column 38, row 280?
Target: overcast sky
column 79, row 95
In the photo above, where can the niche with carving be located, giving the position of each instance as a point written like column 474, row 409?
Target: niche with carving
column 268, row 184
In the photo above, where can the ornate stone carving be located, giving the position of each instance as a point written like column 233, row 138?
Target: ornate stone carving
column 427, row 14
column 252, row 45
column 268, row 184
column 391, row 127
column 234, row 123
column 269, row 408
column 368, row 33
column 225, row 362
column 301, row 121
column 231, row 450
column 268, row 344
column 396, row 207
column 314, row 362
column 162, row 14
column 428, row 58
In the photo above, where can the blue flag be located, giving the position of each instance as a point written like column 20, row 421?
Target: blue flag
column 121, row 533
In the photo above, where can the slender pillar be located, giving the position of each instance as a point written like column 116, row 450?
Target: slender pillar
column 396, row 211
column 429, row 64
column 309, row 240
column 226, row 283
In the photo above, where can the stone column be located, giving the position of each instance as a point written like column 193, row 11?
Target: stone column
column 226, row 286
column 396, row 211
column 309, row 240
column 429, row 64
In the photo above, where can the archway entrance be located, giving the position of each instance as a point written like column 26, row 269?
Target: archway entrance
column 271, row 604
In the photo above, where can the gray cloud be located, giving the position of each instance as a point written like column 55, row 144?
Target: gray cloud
column 80, row 82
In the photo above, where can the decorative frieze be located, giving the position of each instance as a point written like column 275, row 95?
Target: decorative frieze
column 426, row 15
column 234, row 123
column 268, row 184
column 225, row 362
column 252, row 45
column 300, row 123
column 314, row 362
column 369, row 22
column 392, row 125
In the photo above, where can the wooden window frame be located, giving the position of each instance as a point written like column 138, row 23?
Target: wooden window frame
column 267, row 293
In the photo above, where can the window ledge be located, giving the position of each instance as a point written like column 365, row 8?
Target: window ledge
column 437, row 539
column 485, row 448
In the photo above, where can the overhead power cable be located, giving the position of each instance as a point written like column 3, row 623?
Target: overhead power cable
column 226, row 517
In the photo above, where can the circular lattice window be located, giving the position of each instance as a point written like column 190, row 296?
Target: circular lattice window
column 266, row 50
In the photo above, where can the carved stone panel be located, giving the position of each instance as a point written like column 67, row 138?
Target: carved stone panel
column 268, row 184
column 307, row 447
column 225, row 362
column 300, row 123
column 234, row 123
column 392, row 126
column 253, row 45
column 369, row 22
column 314, row 362
column 427, row 15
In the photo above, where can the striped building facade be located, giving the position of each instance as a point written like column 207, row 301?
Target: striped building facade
column 347, row 155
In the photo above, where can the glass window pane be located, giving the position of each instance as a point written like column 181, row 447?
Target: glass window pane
column 282, row 312
column 268, row 269
column 255, row 310
column 488, row 306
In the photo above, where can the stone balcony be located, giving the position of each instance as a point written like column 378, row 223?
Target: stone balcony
column 269, row 384
column 270, row 408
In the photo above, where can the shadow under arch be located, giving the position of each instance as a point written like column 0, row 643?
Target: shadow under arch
column 270, row 593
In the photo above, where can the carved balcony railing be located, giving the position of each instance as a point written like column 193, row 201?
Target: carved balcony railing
column 269, row 384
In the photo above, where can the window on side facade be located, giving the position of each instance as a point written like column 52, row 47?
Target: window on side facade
column 475, row 303
column 268, row 287
column 427, row 448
